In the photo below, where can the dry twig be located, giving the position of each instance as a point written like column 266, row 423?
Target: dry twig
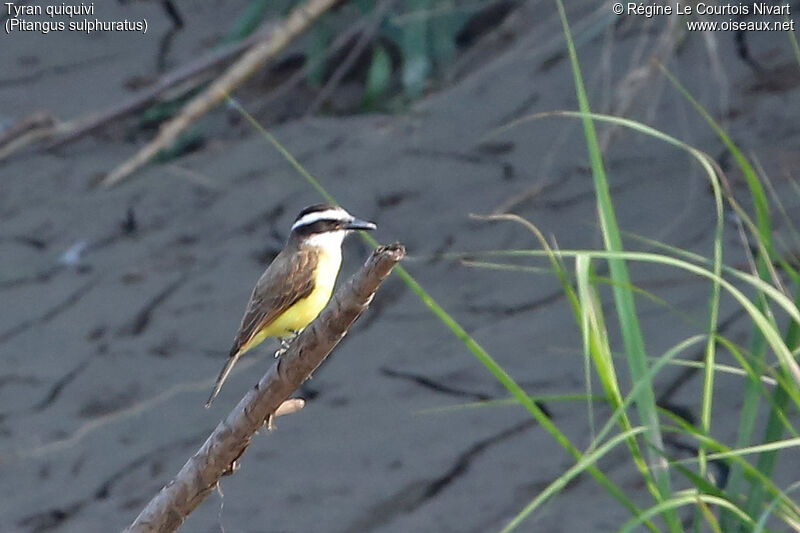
column 221, row 451
column 27, row 130
column 42, row 126
column 194, row 70
column 297, row 22
column 636, row 81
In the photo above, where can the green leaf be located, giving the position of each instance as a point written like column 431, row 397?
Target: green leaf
column 414, row 46
column 443, row 31
column 632, row 336
column 320, row 39
column 378, row 78
column 248, row 21
column 365, row 6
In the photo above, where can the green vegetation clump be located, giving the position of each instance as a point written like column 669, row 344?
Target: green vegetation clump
column 402, row 47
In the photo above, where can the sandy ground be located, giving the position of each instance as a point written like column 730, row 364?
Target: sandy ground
column 105, row 366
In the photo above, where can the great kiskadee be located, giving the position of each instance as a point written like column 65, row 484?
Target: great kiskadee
column 297, row 284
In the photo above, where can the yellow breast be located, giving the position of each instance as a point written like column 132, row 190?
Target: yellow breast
column 304, row 311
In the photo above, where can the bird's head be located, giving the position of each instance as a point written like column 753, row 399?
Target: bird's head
column 326, row 225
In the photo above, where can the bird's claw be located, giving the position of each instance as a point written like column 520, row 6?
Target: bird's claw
column 234, row 466
column 287, row 341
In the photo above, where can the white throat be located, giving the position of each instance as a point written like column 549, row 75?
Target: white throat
column 330, row 241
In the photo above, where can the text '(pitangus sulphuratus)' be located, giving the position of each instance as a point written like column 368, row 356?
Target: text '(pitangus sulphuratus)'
column 298, row 283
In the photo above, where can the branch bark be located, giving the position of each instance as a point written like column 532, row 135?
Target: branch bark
column 219, row 454
column 298, row 21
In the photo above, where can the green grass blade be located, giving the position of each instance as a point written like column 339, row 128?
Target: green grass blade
column 795, row 45
column 752, row 398
column 710, row 168
column 683, row 500
column 562, row 480
column 588, row 316
column 764, row 323
column 777, row 400
column 789, row 508
column 598, row 350
column 626, row 308
column 593, row 331
column 762, row 520
column 760, row 202
column 775, row 423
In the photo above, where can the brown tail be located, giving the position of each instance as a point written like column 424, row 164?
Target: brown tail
column 223, row 376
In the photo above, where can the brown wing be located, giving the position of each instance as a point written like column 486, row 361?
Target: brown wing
column 288, row 279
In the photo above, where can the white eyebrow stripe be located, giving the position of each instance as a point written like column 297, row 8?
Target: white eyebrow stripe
column 328, row 214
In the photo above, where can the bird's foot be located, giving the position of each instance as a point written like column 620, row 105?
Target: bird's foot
column 287, row 341
column 232, row 468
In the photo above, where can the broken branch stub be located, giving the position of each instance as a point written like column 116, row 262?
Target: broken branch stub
column 226, row 444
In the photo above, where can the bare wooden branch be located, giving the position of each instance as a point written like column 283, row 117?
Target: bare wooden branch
column 220, row 453
column 298, row 21
column 28, row 130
